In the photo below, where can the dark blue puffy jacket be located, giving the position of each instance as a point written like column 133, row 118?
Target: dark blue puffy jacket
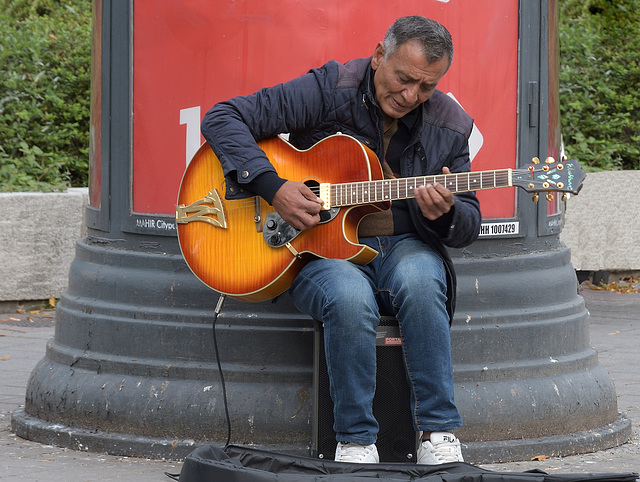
column 339, row 98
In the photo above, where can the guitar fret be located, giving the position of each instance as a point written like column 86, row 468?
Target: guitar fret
column 385, row 190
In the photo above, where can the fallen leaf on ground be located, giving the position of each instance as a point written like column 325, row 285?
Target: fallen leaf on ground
column 539, row 458
column 14, row 319
column 4, row 358
column 615, row 286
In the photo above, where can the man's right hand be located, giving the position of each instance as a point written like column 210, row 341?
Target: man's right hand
column 297, row 205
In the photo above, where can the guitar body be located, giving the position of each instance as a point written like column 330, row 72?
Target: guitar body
column 228, row 251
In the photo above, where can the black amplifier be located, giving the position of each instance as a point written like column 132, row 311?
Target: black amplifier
column 397, row 440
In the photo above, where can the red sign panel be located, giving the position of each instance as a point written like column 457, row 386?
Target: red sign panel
column 190, row 54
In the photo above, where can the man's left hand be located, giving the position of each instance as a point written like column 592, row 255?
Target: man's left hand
column 434, row 200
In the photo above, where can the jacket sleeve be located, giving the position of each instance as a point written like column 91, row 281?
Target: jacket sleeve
column 232, row 128
column 461, row 226
column 465, row 223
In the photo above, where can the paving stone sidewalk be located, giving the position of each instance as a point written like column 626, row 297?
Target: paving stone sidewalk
column 615, row 333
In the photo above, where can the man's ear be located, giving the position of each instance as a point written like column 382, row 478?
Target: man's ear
column 378, row 56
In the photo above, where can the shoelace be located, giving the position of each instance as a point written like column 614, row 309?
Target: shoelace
column 354, row 453
column 444, row 452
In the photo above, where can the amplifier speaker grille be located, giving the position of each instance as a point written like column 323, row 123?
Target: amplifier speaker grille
column 391, row 404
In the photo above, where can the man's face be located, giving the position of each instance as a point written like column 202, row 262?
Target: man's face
column 405, row 80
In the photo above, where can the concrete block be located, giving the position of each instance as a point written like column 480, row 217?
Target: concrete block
column 38, row 232
column 602, row 223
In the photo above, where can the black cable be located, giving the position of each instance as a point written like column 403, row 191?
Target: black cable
column 224, row 388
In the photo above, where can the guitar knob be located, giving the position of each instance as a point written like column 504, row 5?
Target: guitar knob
column 275, row 239
column 271, row 225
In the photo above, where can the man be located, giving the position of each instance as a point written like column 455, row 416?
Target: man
column 390, row 103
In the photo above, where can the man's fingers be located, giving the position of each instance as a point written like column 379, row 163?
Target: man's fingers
column 297, row 205
column 434, row 200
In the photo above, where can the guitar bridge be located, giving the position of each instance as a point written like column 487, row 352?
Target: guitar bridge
column 207, row 210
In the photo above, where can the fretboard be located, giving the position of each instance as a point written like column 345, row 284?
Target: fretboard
column 368, row 192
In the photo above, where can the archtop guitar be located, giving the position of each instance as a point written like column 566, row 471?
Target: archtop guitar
column 244, row 249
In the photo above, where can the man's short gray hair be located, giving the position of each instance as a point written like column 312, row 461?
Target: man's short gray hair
column 434, row 37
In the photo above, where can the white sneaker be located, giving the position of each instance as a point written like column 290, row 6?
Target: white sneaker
column 442, row 448
column 356, row 453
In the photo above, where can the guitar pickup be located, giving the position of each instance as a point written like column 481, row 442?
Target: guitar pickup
column 324, row 193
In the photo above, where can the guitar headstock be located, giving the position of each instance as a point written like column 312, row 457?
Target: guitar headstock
column 550, row 176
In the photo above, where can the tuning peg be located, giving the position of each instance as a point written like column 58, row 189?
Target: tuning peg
column 564, row 158
column 565, row 196
column 536, row 198
column 549, row 196
column 549, row 160
column 535, row 160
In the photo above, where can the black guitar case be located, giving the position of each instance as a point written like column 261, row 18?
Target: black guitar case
column 242, row 464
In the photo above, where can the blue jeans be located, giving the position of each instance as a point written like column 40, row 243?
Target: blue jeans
column 407, row 279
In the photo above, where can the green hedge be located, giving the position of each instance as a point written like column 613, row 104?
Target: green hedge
column 600, row 82
column 45, row 63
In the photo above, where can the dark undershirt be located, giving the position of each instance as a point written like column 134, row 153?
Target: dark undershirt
column 397, row 220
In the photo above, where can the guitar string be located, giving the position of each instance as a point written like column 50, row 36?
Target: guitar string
column 499, row 178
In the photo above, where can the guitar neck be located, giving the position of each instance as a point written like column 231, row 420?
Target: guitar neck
column 368, row 192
